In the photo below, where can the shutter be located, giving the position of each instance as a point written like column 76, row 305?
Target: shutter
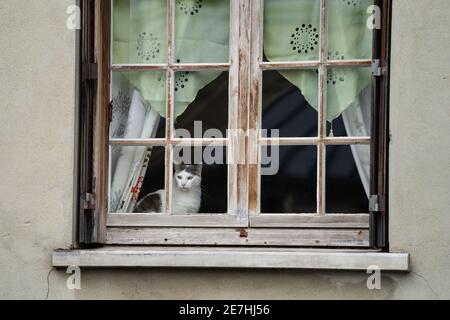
column 380, row 132
column 93, row 118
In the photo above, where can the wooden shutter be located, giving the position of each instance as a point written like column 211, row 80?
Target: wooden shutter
column 380, row 132
column 93, row 120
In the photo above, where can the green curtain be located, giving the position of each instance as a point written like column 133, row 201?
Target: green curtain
column 140, row 36
column 291, row 32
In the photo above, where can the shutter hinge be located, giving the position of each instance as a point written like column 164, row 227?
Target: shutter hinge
column 110, row 111
column 89, row 71
column 377, row 203
column 376, row 68
column 89, row 201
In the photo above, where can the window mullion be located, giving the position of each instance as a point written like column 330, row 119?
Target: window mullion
column 322, row 125
column 170, row 103
column 238, row 108
column 255, row 107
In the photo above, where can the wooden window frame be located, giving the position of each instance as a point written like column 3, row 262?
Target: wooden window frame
column 243, row 225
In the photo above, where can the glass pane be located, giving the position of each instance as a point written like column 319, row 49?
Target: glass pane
column 349, row 36
column 138, row 105
column 291, row 30
column 349, row 102
column 200, row 180
column 286, row 102
column 201, row 100
column 202, row 31
column 347, row 179
column 139, row 31
column 288, row 184
column 136, row 174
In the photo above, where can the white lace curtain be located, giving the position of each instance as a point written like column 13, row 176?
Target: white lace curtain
column 132, row 118
column 357, row 121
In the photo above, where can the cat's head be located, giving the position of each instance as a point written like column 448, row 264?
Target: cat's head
column 187, row 176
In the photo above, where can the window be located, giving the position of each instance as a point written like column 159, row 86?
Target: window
column 289, row 98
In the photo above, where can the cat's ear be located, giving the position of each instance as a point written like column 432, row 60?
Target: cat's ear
column 176, row 165
column 198, row 169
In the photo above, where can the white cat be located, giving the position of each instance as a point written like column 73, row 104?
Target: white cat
column 186, row 193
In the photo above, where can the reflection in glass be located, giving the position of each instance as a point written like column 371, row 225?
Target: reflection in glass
column 284, row 106
column 202, row 31
column 293, row 188
column 139, row 31
column 135, row 173
column 347, row 179
column 138, row 114
column 201, row 100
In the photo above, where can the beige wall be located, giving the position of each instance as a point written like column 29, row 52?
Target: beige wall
column 37, row 94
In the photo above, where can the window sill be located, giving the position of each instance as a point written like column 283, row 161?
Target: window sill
column 213, row 257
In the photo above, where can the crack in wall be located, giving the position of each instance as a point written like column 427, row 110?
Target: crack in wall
column 428, row 284
column 48, row 282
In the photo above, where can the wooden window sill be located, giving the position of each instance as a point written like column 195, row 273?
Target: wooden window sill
column 214, row 257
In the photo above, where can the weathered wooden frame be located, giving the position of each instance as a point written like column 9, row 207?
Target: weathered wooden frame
column 236, row 209
column 322, row 65
column 243, row 225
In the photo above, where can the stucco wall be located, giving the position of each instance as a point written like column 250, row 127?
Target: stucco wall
column 37, row 95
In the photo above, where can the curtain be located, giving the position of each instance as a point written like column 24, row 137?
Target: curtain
column 291, row 33
column 132, row 118
column 357, row 120
column 140, row 36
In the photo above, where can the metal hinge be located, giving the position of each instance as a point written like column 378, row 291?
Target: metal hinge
column 89, row 201
column 110, row 111
column 89, row 71
column 376, row 68
column 377, row 203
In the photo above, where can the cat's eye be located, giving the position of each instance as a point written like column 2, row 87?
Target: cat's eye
column 179, row 177
column 190, row 178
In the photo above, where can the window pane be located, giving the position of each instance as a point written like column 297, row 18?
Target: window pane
column 293, row 188
column 201, row 104
column 284, row 105
column 200, row 180
column 202, row 31
column 291, row 30
column 138, row 113
column 135, row 173
column 139, row 31
column 347, row 179
column 348, row 34
column 349, row 93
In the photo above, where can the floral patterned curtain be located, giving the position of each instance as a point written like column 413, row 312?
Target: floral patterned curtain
column 140, row 37
column 291, row 32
